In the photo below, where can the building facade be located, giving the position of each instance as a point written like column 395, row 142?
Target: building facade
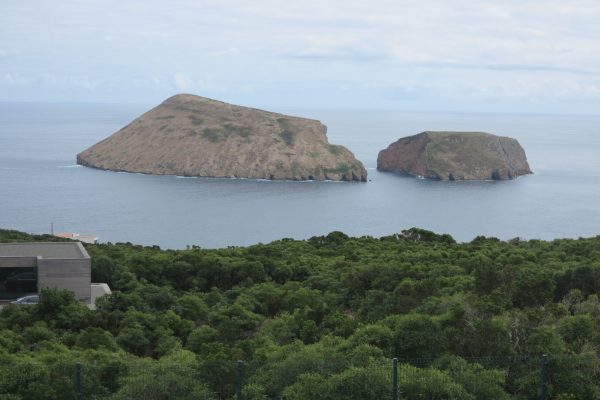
column 27, row 268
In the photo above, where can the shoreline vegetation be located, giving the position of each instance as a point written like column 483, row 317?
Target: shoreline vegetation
column 316, row 319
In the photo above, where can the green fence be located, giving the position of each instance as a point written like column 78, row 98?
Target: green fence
column 447, row 377
column 545, row 378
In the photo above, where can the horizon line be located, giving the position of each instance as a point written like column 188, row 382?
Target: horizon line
column 306, row 108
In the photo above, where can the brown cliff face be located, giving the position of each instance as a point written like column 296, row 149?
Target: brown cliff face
column 455, row 156
column 194, row 136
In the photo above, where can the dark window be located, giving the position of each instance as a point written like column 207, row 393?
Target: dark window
column 17, row 282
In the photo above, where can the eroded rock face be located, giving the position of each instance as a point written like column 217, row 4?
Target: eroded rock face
column 455, row 156
column 194, row 136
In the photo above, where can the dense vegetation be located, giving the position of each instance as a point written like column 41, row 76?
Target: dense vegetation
column 316, row 319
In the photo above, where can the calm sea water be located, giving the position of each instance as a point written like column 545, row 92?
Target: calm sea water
column 40, row 184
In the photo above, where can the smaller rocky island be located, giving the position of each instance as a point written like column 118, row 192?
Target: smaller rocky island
column 455, row 156
column 195, row 136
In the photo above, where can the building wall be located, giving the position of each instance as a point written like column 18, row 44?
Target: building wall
column 18, row 262
column 75, row 275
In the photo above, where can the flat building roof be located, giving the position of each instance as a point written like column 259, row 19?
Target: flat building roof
column 48, row 250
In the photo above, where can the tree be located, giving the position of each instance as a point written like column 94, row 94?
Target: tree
column 60, row 309
column 377, row 335
column 173, row 377
column 417, row 336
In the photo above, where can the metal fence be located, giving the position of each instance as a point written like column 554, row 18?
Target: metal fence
column 564, row 377
column 546, row 377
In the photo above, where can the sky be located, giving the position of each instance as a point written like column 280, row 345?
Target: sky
column 525, row 56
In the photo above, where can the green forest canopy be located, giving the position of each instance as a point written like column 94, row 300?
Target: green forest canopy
column 315, row 319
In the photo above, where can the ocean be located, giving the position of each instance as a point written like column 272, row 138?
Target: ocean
column 40, row 183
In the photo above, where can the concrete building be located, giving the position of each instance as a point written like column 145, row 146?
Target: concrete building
column 27, row 268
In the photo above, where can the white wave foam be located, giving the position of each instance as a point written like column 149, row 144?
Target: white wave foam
column 69, row 166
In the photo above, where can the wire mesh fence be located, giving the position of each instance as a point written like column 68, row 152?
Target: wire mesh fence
column 572, row 377
column 521, row 378
column 561, row 377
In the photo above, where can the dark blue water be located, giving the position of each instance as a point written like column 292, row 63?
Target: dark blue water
column 40, row 184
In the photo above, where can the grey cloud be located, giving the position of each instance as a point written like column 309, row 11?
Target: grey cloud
column 107, row 48
column 347, row 55
column 508, row 67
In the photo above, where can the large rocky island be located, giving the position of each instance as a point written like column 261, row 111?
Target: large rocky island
column 455, row 156
column 194, row 136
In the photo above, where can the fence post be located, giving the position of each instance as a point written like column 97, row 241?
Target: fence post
column 395, row 379
column 544, row 378
column 239, row 379
column 78, row 382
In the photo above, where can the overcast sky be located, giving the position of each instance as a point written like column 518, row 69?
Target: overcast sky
column 459, row 55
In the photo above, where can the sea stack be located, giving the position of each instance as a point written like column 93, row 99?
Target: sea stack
column 190, row 135
column 455, row 156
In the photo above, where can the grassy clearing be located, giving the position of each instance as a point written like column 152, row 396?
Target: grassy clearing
column 288, row 135
column 195, row 120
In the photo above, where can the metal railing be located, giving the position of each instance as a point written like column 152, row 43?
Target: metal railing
column 546, row 377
